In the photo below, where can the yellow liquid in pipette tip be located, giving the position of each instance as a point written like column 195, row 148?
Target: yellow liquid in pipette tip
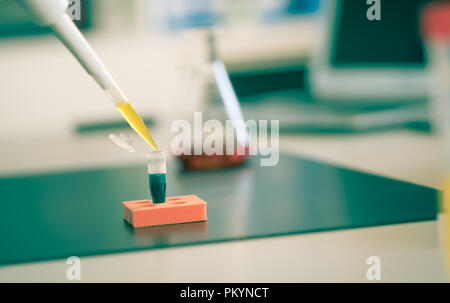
column 136, row 122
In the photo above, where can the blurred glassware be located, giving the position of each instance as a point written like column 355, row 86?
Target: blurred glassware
column 183, row 14
column 206, row 71
column 275, row 10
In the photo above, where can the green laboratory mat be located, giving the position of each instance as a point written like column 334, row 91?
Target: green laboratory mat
column 79, row 213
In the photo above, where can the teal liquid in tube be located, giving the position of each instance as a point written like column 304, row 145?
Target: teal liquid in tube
column 157, row 184
column 157, row 176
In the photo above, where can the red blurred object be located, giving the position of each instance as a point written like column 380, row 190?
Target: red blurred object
column 436, row 21
column 213, row 162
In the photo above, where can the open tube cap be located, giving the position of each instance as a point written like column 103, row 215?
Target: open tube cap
column 157, row 162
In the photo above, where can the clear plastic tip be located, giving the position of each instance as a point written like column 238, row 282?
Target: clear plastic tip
column 157, row 162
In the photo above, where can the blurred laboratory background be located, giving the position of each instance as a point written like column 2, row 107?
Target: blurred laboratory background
column 321, row 68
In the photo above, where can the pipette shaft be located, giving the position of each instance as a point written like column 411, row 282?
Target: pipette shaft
column 53, row 13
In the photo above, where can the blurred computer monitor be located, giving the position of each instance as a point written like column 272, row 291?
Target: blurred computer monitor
column 364, row 61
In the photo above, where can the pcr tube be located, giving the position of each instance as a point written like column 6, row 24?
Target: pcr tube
column 157, row 176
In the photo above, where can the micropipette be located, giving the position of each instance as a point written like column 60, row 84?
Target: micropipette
column 52, row 13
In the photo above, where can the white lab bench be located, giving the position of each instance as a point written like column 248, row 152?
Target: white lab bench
column 409, row 252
